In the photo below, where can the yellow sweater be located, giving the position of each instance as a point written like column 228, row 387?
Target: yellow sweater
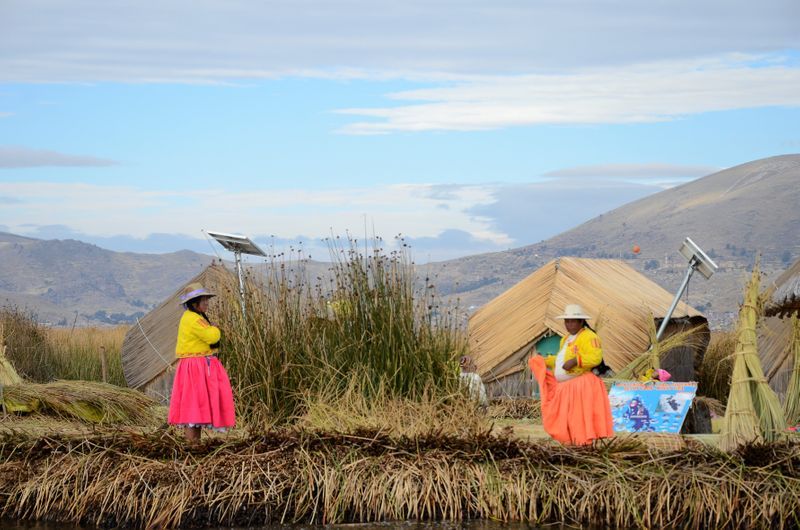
column 195, row 336
column 586, row 348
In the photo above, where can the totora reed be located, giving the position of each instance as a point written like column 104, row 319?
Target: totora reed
column 287, row 476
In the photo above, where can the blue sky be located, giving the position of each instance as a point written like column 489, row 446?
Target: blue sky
column 466, row 126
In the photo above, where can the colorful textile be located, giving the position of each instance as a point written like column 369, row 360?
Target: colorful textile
column 586, row 348
column 576, row 411
column 201, row 394
column 195, row 336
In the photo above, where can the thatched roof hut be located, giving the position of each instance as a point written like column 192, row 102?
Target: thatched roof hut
column 148, row 350
column 785, row 297
column 622, row 302
column 775, row 333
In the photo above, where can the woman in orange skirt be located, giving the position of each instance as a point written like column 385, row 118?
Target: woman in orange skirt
column 575, row 406
column 201, row 391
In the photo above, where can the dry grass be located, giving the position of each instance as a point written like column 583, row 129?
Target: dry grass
column 81, row 352
column 292, row 476
column 518, row 409
column 715, row 372
column 43, row 354
column 83, row 400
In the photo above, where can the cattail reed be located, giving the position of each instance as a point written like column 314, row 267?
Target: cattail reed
column 365, row 322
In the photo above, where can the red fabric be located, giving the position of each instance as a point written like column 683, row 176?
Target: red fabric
column 575, row 411
column 201, row 394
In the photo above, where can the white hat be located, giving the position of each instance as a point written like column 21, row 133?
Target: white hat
column 574, row 311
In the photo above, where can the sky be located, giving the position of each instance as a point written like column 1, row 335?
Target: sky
column 461, row 126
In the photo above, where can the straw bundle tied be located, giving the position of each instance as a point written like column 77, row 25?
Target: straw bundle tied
column 753, row 411
column 83, row 400
column 791, row 404
column 8, row 375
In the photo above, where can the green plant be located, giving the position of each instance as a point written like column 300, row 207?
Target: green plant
column 365, row 324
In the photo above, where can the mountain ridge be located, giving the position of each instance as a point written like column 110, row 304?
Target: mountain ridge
column 733, row 214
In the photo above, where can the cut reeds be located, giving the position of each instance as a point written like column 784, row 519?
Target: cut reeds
column 753, row 410
column 8, row 375
column 715, row 373
column 791, row 403
column 87, row 401
column 651, row 359
column 154, row 481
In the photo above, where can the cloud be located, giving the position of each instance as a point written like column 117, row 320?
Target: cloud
column 212, row 41
column 94, row 209
column 9, row 200
column 534, row 212
column 22, row 157
column 477, row 218
column 634, row 171
column 647, row 92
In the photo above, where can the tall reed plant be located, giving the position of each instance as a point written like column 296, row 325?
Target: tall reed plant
column 41, row 354
column 366, row 322
column 26, row 344
column 87, row 354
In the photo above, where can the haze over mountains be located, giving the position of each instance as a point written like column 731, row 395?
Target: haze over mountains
column 732, row 214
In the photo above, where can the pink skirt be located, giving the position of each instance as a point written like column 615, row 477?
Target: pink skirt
column 201, row 394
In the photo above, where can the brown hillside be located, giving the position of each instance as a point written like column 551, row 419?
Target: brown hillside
column 732, row 214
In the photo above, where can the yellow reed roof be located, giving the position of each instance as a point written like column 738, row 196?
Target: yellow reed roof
column 148, row 349
column 622, row 302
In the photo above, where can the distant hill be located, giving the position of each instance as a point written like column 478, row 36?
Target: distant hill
column 733, row 214
column 66, row 281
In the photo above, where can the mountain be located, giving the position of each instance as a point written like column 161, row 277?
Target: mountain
column 734, row 215
column 66, row 281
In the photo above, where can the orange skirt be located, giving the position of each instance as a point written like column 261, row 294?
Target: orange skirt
column 575, row 411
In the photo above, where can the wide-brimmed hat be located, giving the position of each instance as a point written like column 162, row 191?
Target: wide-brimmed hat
column 194, row 290
column 574, row 311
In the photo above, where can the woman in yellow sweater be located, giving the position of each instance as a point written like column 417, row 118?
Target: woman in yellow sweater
column 201, row 391
column 575, row 406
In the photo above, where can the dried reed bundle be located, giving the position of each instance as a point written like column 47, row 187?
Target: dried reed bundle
column 791, row 404
column 753, row 412
column 652, row 357
column 715, row 372
column 84, row 400
column 288, row 476
column 8, row 375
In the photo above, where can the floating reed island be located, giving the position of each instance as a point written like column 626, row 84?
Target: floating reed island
column 154, row 481
column 351, row 411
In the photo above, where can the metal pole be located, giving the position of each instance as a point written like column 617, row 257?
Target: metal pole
column 689, row 271
column 238, row 256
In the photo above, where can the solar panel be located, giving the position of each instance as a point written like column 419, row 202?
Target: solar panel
column 237, row 243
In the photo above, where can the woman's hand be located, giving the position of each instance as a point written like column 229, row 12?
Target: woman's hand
column 569, row 365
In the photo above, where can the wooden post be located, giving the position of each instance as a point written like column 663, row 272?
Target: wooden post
column 103, row 368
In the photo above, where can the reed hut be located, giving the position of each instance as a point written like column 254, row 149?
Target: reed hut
column 775, row 333
column 148, row 350
column 624, row 304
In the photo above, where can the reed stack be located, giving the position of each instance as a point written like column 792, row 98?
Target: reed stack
column 791, row 404
column 753, row 411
